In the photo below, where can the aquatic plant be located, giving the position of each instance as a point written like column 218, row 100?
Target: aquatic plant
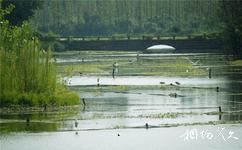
column 27, row 72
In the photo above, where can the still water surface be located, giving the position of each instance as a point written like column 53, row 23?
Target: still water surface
column 123, row 106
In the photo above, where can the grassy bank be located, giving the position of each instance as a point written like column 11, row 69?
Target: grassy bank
column 27, row 72
column 60, row 97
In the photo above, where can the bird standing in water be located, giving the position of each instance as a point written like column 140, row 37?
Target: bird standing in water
column 76, row 124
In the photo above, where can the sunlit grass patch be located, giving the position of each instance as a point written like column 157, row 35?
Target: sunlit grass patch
column 236, row 63
column 166, row 67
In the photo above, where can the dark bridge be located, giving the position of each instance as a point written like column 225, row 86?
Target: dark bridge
column 140, row 43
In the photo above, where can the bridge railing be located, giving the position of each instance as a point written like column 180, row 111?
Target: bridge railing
column 129, row 37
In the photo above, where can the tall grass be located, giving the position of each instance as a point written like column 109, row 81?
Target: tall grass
column 27, row 72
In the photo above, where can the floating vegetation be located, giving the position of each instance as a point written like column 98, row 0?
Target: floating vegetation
column 160, row 115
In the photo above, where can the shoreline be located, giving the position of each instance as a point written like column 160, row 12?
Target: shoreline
column 37, row 109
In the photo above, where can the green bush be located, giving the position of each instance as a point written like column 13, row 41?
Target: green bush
column 65, row 97
column 62, row 97
column 8, row 98
column 27, row 72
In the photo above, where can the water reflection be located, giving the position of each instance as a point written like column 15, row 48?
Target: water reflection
column 35, row 122
column 29, row 127
column 114, row 108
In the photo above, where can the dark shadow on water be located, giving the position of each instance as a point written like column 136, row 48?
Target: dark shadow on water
column 29, row 127
column 35, row 122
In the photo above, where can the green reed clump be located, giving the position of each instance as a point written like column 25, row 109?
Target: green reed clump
column 27, row 72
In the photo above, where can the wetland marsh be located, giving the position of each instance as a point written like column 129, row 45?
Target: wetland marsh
column 171, row 90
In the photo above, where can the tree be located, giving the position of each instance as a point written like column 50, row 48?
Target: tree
column 23, row 9
column 109, row 17
column 231, row 17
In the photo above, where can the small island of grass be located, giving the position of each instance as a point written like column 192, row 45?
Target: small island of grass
column 27, row 72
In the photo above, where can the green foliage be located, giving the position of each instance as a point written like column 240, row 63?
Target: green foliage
column 64, row 97
column 22, row 10
column 27, row 72
column 231, row 17
column 109, row 17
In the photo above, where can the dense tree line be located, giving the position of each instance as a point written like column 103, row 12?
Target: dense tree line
column 231, row 19
column 23, row 9
column 108, row 17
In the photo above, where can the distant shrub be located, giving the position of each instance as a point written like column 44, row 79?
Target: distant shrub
column 59, row 46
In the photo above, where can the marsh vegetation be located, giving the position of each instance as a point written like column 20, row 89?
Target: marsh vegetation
column 27, row 72
column 128, row 98
column 131, row 63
